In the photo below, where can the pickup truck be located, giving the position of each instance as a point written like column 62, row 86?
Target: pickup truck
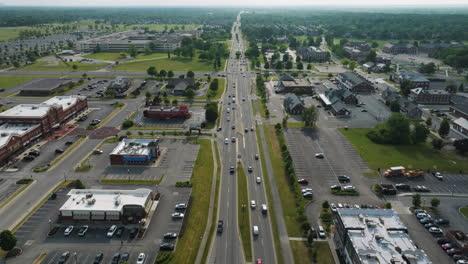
column 220, row 226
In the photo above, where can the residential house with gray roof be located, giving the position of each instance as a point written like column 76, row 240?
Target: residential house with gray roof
column 354, row 82
column 414, row 77
column 292, row 104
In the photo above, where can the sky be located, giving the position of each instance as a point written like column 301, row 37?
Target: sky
column 261, row 3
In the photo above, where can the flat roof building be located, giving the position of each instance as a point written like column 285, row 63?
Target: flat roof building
column 107, row 205
column 370, row 236
column 44, row 87
column 135, row 152
column 287, row 84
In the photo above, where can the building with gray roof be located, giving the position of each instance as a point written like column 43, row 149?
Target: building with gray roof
column 354, row 82
column 292, row 104
column 44, row 87
column 414, row 77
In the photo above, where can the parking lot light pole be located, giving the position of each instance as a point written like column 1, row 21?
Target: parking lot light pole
column 50, row 224
column 76, row 258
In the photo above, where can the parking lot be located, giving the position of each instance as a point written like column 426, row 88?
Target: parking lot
column 91, row 88
column 96, row 111
column 198, row 116
column 451, row 184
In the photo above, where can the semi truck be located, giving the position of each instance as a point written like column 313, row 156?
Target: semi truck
column 395, row 171
column 414, row 173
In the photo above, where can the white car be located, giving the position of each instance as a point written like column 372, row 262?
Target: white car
column 98, row 151
column 141, row 258
column 306, row 190
column 349, row 188
column 438, row 175
column 259, row 180
column 333, row 207
column 319, row 155
column 435, row 230
column 68, row 230
column 228, row 110
column 462, row 261
column 177, row 215
column 253, row 204
column 226, row 141
column 181, row 206
column 111, row 231
column 83, row 230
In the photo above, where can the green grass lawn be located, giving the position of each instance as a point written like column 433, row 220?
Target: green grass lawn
column 218, row 93
column 202, row 177
column 287, row 196
column 108, row 56
column 464, row 211
column 61, row 66
column 421, row 156
column 151, row 56
column 304, row 255
column 7, row 33
column 174, row 64
column 8, row 81
column 244, row 212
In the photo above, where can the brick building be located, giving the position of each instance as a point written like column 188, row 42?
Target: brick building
column 313, row 54
column 421, row 96
column 354, row 82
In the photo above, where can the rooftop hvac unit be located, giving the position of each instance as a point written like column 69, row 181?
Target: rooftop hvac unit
column 4, row 134
column 91, row 201
column 89, row 195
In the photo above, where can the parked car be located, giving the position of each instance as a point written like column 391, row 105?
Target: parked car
column 178, row 215
column 349, row 188
column 120, row 231
column 98, row 258
column 442, row 240
column 421, row 188
column 344, row 178
column 141, row 258
column 181, row 206
column 64, row 257
column 170, row 235
column 333, row 207
column 321, row 232
column 133, row 232
column 166, row 247
column 115, row 258
column 29, row 158
column 454, row 251
column 98, row 151
column 447, row 246
column 442, row 221
column 83, row 230
column 125, row 257
column 307, row 194
column 69, row 143
column 438, row 175
column 303, row 181
column 111, row 231
column 319, row 156
column 59, row 151
column 429, row 225
column 403, row 187
column 68, row 230
column 335, row 187
column 426, row 221
column 35, row 152
column 220, row 226
column 422, row 215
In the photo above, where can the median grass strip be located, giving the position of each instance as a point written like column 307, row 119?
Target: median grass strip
column 287, row 196
column 420, row 156
column 202, row 178
column 215, row 206
column 464, row 211
column 272, row 215
column 16, row 193
column 319, row 252
column 40, row 258
column 244, row 212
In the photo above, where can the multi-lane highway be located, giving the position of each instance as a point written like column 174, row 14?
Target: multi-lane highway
column 239, row 123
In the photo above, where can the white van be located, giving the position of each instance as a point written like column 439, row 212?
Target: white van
column 255, row 230
column 321, row 232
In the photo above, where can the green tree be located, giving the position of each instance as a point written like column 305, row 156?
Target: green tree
column 372, row 56
column 289, row 65
column 133, row 51
column 75, row 66
column 151, row 71
column 211, row 113
column 451, row 88
column 309, row 116
column 444, row 128
column 7, row 240
column 148, row 51
column 325, row 204
column 461, row 145
column 437, row 143
column 375, row 45
column 352, row 65
column 127, row 123
column 79, row 185
column 419, row 133
column 266, row 65
column 300, row 66
column 388, row 205
column 429, row 122
column 435, row 202
column 309, row 66
column 190, row 74
column 461, row 88
column 310, row 239
column 170, row 74
column 190, row 94
column 148, row 94
column 405, row 87
column 395, row 106
column 428, row 68
column 175, row 102
column 162, row 73
column 398, row 129
column 238, row 54
column 417, row 200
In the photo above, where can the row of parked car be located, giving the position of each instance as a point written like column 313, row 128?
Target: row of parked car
column 433, row 226
column 116, row 258
column 113, row 230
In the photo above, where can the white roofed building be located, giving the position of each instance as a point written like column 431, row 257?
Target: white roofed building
column 107, row 205
column 135, row 152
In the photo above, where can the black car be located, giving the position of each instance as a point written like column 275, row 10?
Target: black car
column 344, row 178
column 403, row 187
column 442, row 221
column 166, row 247
column 115, row 258
column 59, row 151
column 220, row 226
column 34, row 152
column 442, row 240
column 120, row 231
column 170, row 235
column 335, row 187
column 69, row 143
column 64, row 257
column 232, row 169
column 133, row 232
column 29, row 158
column 98, row 258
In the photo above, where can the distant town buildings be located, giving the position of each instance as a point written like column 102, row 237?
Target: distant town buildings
column 367, row 236
column 24, row 124
column 357, row 50
column 435, row 47
column 414, row 77
column 399, row 48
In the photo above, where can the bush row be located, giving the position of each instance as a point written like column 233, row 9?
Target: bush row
column 183, row 184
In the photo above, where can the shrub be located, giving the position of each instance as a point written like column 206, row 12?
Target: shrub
column 79, row 185
column 127, row 123
column 183, row 184
column 24, row 181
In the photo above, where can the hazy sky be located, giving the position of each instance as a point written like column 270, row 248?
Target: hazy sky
column 264, row 3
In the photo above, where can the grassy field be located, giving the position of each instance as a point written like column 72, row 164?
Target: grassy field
column 287, row 196
column 162, row 26
column 421, row 156
column 45, row 66
column 304, row 255
column 174, row 64
column 108, row 56
column 464, row 211
column 244, row 212
column 7, row 33
column 151, row 56
column 202, row 177
column 8, row 81
column 218, row 93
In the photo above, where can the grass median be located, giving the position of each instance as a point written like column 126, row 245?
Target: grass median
column 464, row 211
column 274, row 225
column 419, row 156
column 244, row 212
column 318, row 253
column 202, row 178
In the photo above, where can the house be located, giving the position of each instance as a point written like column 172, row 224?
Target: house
column 179, row 85
column 410, row 109
column 354, row 82
column 389, row 96
column 313, row 54
column 399, row 48
column 373, row 67
column 292, row 104
column 341, row 94
column 414, row 77
column 338, row 108
column 461, row 125
column 421, row 96
column 287, row 84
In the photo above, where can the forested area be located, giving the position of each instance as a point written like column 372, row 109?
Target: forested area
column 457, row 58
column 29, row 16
column 360, row 25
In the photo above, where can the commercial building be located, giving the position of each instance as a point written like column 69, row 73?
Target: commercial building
column 287, row 84
column 344, row 95
column 128, row 206
column 368, row 236
column 167, row 112
column 180, row 85
column 44, row 87
column 135, row 152
column 313, row 54
column 414, row 77
column 23, row 124
column 461, row 125
column 421, row 96
column 338, row 108
column 399, row 48
column 292, row 104
column 354, row 82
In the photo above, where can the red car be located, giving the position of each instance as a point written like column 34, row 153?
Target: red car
column 303, row 181
column 259, row 261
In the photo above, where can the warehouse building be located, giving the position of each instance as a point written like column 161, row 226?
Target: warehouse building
column 135, row 152
column 44, row 87
column 128, row 206
column 366, row 236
